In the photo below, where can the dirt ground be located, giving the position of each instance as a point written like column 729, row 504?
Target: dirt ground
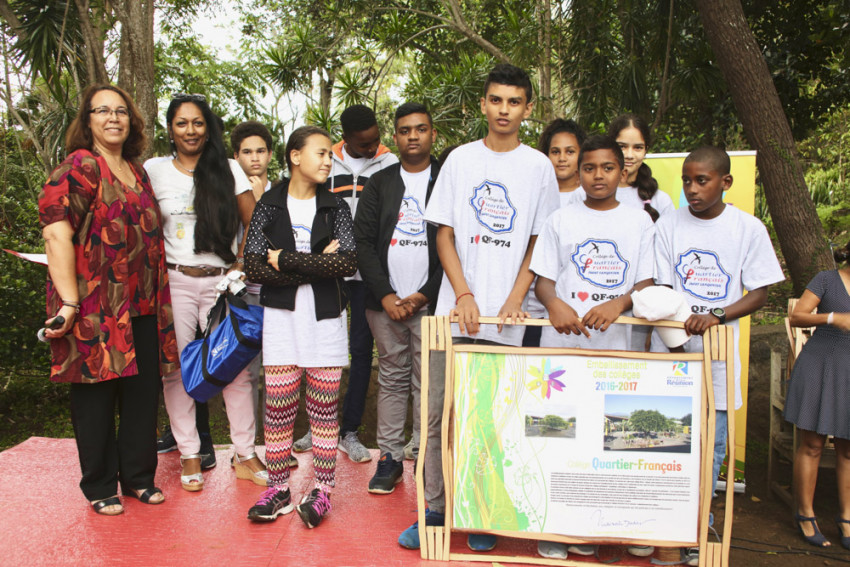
column 764, row 533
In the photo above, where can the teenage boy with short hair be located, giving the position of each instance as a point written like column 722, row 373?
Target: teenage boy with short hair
column 489, row 204
column 357, row 157
column 252, row 143
column 710, row 252
column 397, row 257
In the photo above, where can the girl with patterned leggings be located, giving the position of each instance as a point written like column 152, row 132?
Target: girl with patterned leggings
column 300, row 246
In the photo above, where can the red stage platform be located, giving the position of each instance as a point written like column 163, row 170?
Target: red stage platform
column 45, row 520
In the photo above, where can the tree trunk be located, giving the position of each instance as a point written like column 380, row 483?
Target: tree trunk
column 758, row 106
column 95, row 62
column 136, row 18
column 545, row 38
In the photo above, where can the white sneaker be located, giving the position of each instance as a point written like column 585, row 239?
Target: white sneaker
column 351, row 446
column 641, row 550
column 304, row 444
column 551, row 549
column 585, row 550
column 408, row 451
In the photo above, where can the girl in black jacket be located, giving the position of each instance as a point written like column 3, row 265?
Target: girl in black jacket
column 300, row 246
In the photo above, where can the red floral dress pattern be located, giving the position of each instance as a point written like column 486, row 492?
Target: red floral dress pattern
column 120, row 264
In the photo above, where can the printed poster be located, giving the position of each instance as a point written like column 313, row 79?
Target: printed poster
column 590, row 447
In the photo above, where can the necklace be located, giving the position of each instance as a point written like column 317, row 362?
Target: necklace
column 183, row 167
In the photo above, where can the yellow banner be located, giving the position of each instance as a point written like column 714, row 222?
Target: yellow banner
column 667, row 170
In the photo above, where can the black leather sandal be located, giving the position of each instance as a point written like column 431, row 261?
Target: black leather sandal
column 144, row 496
column 99, row 505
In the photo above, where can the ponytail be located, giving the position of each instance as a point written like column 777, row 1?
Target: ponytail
column 647, row 187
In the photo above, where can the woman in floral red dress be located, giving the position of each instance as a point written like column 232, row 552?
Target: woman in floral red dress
column 107, row 278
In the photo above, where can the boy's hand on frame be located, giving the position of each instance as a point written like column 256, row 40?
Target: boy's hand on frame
column 467, row 314
column 601, row 316
column 565, row 319
column 699, row 324
column 511, row 312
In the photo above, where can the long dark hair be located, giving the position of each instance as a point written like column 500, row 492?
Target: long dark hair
column 79, row 136
column 215, row 196
column 646, row 184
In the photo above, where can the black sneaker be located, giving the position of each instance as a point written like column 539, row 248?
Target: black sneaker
column 387, row 475
column 273, row 503
column 166, row 442
column 314, row 507
column 207, row 452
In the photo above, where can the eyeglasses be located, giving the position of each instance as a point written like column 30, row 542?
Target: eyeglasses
column 104, row 111
column 186, row 96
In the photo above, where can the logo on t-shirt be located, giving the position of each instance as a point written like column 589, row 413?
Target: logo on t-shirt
column 701, row 275
column 599, row 262
column 410, row 217
column 302, row 238
column 493, row 208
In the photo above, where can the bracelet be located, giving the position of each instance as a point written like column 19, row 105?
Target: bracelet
column 73, row 304
column 830, row 318
column 458, row 298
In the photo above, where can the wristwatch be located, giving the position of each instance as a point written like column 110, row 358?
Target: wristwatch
column 720, row 313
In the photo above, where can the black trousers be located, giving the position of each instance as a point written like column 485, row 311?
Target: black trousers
column 130, row 457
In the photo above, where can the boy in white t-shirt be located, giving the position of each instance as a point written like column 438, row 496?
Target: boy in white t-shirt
column 589, row 258
column 489, row 204
column 711, row 252
column 397, row 258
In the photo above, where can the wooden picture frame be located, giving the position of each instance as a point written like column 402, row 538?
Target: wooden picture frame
column 718, row 345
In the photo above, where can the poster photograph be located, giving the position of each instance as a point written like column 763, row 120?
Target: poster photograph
column 577, row 445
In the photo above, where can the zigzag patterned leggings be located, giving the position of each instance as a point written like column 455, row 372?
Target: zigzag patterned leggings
column 282, row 386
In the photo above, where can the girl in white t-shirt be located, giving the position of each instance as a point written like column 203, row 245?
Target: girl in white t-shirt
column 560, row 141
column 639, row 189
column 300, row 246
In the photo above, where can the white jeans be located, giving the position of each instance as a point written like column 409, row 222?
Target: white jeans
column 191, row 300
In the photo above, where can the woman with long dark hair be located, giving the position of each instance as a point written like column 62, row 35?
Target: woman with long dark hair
column 203, row 197
column 107, row 279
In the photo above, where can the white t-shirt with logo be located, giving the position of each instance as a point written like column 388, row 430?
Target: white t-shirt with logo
column 407, row 257
column 494, row 201
column 175, row 193
column 296, row 337
column 593, row 257
column 711, row 262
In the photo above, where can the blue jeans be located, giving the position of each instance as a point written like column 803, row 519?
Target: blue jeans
column 360, row 347
column 720, row 425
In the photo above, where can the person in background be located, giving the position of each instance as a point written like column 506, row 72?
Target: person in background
column 203, row 196
column 817, row 401
column 252, row 147
column 397, row 256
column 560, row 141
column 359, row 155
column 107, row 278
